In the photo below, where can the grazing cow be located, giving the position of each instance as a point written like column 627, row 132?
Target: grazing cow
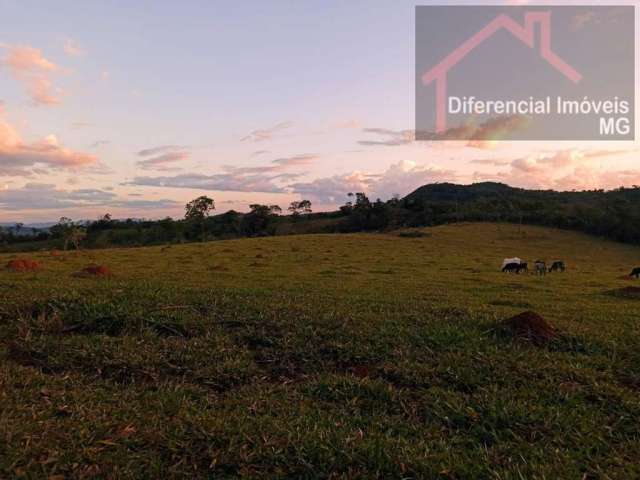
column 635, row 272
column 558, row 266
column 507, row 261
column 511, row 267
column 541, row 267
column 515, row 267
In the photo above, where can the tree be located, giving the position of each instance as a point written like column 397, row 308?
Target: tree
column 197, row 212
column 69, row 232
column 296, row 208
column 259, row 220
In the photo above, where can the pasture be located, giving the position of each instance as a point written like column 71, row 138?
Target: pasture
column 323, row 356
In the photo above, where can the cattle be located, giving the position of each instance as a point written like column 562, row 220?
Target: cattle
column 558, row 266
column 541, row 267
column 511, row 267
column 635, row 272
column 507, row 261
column 515, row 267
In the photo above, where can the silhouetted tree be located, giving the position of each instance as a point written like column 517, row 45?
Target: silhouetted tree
column 259, row 221
column 197, row 212
column 69, row 232
column 296, row 208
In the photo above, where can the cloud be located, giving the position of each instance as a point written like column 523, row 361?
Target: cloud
column 571, row 169
column 400, row 178
column 161, row 149
column 72, row 48
column 231, row 182
column 266, row 133
column 263, row 178
column 389, row 137
column 28, row 66
column 488, row 161
column 403, row 177
column 331, row 190
column 294, row 161
column 495, row 129
column 21, row 158
column 100, row 143
column 40, row 196
column 163, row 162
column 257, row 153
column 483, row 135
column 277, row 165
column 163, row 157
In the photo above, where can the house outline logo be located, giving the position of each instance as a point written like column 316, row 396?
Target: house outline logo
column 526, row 35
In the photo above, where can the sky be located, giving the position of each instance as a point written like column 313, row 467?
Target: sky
column 134, row 108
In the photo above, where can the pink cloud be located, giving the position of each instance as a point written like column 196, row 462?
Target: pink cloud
column 28, row 66
column 164, row 161
column 266, row 133
column 399, row 178
column 20, row 158
column 571, row 169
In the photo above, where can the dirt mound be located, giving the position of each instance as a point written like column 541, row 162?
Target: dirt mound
column 94, row 270
column 531, row 327
column 629, row 292
column 56, row 253
column 23, row 265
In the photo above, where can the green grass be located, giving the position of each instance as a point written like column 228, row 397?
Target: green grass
column 341, row 356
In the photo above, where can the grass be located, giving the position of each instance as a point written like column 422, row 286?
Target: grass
column 322, row 356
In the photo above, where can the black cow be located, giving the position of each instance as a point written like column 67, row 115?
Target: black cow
column 515, row 267
column 558, row 266
column 511, row 268
column 635, row 272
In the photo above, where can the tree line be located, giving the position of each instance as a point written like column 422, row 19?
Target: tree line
column 613, row 214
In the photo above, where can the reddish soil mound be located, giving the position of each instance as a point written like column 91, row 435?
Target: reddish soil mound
column 532, row 327
column 56, row 253
column 23, row 265
column 94, row 270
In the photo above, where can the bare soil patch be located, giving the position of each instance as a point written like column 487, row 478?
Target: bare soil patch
column 23, row 265
column 531, row 327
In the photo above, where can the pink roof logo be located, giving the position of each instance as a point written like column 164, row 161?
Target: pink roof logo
column 526, row 35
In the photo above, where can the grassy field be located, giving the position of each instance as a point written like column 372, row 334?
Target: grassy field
column 323, row 356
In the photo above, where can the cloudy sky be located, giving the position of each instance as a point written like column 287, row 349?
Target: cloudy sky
column 134, row 108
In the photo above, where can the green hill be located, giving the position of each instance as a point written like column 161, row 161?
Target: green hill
column 613, row 214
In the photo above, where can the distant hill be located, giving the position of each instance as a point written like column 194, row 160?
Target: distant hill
column 27, row 229
column 437, row 192
column 614, row 214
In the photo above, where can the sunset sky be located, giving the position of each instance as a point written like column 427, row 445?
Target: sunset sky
column 134, row 108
